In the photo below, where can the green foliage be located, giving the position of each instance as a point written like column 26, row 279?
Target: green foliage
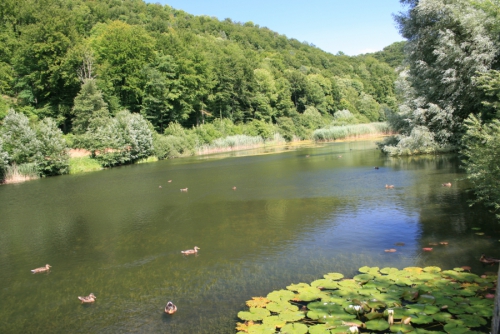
column 376, row 300
column 53, row 148
column 88, row 106
column 392, row 54
column 481, row 150
column 19, row 139
column 350, row 131
column 83, row 165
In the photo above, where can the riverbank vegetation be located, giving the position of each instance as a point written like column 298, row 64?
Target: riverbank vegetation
column 129, row 80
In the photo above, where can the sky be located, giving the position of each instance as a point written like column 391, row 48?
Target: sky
column 351, row 26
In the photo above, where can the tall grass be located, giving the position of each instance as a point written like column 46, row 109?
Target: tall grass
column 351, row 131
column 83, row 165
column 20, row 173
column 238, row 142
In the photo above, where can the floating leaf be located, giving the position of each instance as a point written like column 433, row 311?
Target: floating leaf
column 476, row 228
column 432, row 269
column 261, row 329
column 424, row 331
column 421, row 319
column 363, row 278
column 257, row 302
column 374, row 315
column 274, row 321
column 369, row 270
column 244, row 326
column 377, row 325
column 308, row 294
column 294, row 329
column 471, row 320
column 281, row 295
column 480, row 233
column 319, row 329
column 459, row 276
column 333, row 276
column 456, row 327
column 281, row 306
column 296, row 287
column 290, row 316
column 388, row 270
column 422, row 308
column 253, row 314
column 401, row 328
column 442, row 316
column 426, row 299
column 325, row 284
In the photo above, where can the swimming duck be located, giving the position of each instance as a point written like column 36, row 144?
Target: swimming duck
column 184, row 189
column 376, row 167
column 488, row 260
column 41, row 269
column 191, row 251
column 170, row 308
column 88, row 299
column 389, row 186
column 234, row 188
column 446, row 184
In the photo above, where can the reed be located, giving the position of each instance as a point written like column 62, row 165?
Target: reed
column 83, row 165
column 19, row 173
column 351, row 131
column 239, row 142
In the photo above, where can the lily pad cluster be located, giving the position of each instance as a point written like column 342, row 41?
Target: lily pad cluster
column 411, row 300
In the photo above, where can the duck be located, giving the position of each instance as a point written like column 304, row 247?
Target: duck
column 191, row 251
column 448, row 184
column 376, row 167
column 169, row 181
column 184, row 189
column 234, row 188
column 488, row 260
column 389, row 186
column 170, row 308
column 87, row 299
column 41, row 269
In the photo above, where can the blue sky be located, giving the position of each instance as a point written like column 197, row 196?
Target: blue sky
column 350, row 26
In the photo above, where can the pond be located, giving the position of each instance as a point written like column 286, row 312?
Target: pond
column 293, row 217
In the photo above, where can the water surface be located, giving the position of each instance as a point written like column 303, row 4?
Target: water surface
column 293, row 217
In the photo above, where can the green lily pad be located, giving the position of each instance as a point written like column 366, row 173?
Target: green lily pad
column 368, row 292
column 296, row 287
column 280, row 295
column 374, row 315
column 413, row 270
column 471, row 320
column 369, row 270
column 274, row 321
column 377, row 325
column 396, row 328
column 333, row 276
column 254, row 314
column 290, row 316
column 422, row 308
column 388, row 270
column 349, row 283
column 426, row 299
column 442, row 316
column 421, row 319
column 363, row 278
column 459, row 276
column 476, row 228
column 326, row 307
column 432, row 269
column 456, row 327
column 399, row 312
column 375, row 304
column 261, row 329
column 424, row 331
column 295, row 329
column 325, row 284
column 308, row 294
column 281, row 306
column 340, row 330
column 319, row 329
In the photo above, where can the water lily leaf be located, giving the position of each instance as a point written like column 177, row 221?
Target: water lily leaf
column 375, row 304
column 374, row 315
column 413, row 270
column 458, row 308
column 244, row 326
column 274, row 321
column 319, row 329
column 349, row 283
column 424, row 331
column 368, row 292
column 328, row 308
column 290, row 316
column 334, row 299
column 325, row 284
column 296, row 287
column 459, row 276
column 369, row 270
column 280, row 295
column 471, row 320
column 399, row 313
column 476, row 228
column 261, row 329
column 308, row 294
column 401, row 328
column 442, row 316
column 402, row 281
column 377, row 325
column 363, row 278
column 253, row 314
column 340, row 330
column 422, row 308
column 432, row 269
column 480, row 233
column 294, row 329
column 421, row 319
column 456, row 327
column 426, row 299
column 281, row 306
column 388, row 270
column 333, row 276
column 346, row 293
column 257, row 302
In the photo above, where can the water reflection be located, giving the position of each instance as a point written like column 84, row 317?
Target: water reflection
column 293, row 217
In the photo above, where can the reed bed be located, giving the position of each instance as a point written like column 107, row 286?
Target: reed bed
column 20, row 173
column 83, row 165
column 351, row 131
column 238, row 142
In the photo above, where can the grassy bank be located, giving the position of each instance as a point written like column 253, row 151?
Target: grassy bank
column 351, row 131
column 83, row 164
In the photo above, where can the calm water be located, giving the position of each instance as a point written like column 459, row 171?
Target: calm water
column 291, row 219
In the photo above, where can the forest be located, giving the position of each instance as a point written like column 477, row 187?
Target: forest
column 127, row 80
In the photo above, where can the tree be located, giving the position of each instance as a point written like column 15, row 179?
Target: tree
column 19, row 139
column 53, row 148
column 89, row 105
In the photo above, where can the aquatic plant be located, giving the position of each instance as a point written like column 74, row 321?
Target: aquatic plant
column 411, row 300
column 350, row 131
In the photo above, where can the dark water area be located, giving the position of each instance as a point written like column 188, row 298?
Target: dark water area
column 294, row 216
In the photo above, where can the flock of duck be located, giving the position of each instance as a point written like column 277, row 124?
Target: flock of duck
column 170, row 308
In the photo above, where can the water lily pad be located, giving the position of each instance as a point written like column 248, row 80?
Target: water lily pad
column 296, row 287
column 399, row 313
column 424, row 331
column 377, row 325
column 340, row 330
column 349, row 283
column 413, row 270
column 421, row 319
column 388, row 270
column 396, row 328
column 308, row 294
column 459, row 276
column 281, row 306
column 422, row 308
column 480, row 233
column 442, row 316
column 319, row 329
column 432, row 269
column 261, row 329
column 363, row 278
column 280, row 295
column 325, row 284
column 333, row 276
column 476, row 228
column 374, row 315
column 471, row 320
column 456, row 327
column 367, row 291
column 274, row 321
column 426, row 299
column 328, row 308
column 253, row 314
column 290, row 316
column 257, row 302
column 294, row 329
column 369, row 270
